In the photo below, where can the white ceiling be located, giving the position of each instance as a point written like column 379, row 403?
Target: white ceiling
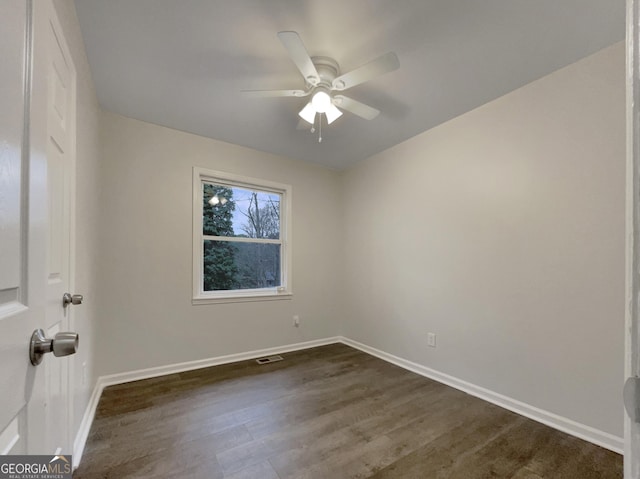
column 182, row 63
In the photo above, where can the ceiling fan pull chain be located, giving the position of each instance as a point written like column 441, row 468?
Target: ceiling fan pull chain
column 320, row 128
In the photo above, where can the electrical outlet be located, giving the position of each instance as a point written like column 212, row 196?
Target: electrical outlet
column 431, row 340
column 296, row 321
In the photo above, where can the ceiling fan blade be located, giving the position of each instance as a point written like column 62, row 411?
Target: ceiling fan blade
column 272, row 93
column 299, row 55
column 355, row 107
column 381, row 65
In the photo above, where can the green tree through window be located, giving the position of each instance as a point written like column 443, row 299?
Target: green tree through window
column 219, row 272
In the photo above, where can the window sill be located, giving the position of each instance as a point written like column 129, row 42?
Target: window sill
column 241, row 298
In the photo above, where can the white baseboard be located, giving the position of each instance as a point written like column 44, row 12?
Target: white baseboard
column 601, row 438
column 121, row 378
column 139, row 374
column 588, row 433
column 85, row 424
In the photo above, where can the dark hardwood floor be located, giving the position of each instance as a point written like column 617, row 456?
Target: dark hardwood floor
column 330, row 412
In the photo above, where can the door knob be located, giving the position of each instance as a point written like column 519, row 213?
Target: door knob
column 68, row 299
column 63, row 344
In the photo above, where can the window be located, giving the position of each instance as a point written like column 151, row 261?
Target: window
column 241, row 248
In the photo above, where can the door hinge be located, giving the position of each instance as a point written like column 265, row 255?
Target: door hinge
column 632, row 398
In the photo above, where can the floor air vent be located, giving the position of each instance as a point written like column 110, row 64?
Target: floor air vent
column 269, row 359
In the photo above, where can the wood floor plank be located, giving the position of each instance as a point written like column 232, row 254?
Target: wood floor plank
column 556, row 455
column 331, row 430
column 336, row 409
column 331, row 413
column 262, row 470
column 383, row 446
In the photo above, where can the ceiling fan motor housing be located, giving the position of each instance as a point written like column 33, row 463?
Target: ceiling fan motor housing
column 328, row 70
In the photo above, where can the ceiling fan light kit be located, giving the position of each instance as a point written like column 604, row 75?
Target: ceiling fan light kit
column 321, row 100
column 332, row 114
column 322, row 77
column 308, row 113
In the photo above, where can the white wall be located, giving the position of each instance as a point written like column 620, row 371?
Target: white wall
column 502, row 231
column 87, row 209
column 146, row 315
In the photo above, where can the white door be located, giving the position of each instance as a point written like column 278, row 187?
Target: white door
column 60, row 151
column 632, row 354
column 53, row 57
column 22, row 246
column 37, row 148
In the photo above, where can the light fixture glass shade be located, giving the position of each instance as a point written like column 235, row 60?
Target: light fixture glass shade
column 332, row 114
column 308, row 113
column 321, row 101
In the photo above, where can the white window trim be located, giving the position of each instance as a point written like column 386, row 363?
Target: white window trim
column 283, row 292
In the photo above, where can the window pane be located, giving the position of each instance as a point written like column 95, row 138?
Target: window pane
column 232, row 265
column 232, row 211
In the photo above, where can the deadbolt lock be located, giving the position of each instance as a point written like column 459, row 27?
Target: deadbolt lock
column 68, row 299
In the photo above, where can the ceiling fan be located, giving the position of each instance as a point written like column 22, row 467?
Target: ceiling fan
column 323, row 79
